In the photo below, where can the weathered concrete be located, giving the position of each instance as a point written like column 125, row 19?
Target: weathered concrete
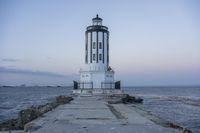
column 94, row 115
column 27, row 115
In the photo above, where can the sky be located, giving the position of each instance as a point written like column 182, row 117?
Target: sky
column 152, row 42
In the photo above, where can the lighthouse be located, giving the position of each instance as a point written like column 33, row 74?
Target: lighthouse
column 97, row 76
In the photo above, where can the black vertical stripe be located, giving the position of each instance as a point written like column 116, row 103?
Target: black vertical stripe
column 103, row 47
column 86, row 47
column 90, row 47
column 107, row 48
column 97, row 47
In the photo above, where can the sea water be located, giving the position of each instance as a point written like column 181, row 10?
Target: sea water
column 180, row 105
column 14, row 99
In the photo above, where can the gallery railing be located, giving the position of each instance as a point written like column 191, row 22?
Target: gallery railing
column 104, row 85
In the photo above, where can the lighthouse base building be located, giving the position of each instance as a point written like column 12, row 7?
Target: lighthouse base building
column 97, row 77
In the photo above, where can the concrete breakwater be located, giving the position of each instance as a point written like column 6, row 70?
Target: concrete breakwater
column 95, row 114
column 160, row 121
column 29, row 114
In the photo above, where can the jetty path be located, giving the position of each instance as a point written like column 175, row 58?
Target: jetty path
column 95, row 115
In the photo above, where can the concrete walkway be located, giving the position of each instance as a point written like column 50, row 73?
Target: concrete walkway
column 94, row 115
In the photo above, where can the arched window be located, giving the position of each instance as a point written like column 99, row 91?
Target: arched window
column 100, row 45
column 94, row 46
column 94, row 57
column 100, row 58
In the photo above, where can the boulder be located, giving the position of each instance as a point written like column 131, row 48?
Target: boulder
column 47, row 107
column 27, row 115
column 29, row 127
column 125, row 98
column 138, row 100
column 9, row 125
column 131, row 99
column 63, row 99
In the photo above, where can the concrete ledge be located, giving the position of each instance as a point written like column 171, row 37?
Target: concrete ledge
column 94, row 115
column 97, row 91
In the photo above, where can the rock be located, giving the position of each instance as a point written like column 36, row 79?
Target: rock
column 54, row 104
column 31, row 127
column 131, row 99
column 125, row 98
column 27, row 115
column 63, row 99
column 32, row 113
column 172, row 125
column 9, row 125
column 47, row 107
column 187, row 131
column 139, row 100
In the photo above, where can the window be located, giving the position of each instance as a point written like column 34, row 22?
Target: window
column 94, row 57
column 100, row 57
column 100, row 45
column 94, row 45
column 86, row 58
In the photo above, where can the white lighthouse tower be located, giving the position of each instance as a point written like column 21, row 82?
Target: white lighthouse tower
column 97, row 76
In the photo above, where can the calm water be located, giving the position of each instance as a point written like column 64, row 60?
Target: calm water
column 177, row 104
column 180, row 105
column 14, row 99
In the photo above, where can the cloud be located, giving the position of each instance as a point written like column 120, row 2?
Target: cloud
column 29, row 72
column 14, row 76
column 10, row 60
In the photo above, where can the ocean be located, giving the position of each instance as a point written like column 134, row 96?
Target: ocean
column 180, row 105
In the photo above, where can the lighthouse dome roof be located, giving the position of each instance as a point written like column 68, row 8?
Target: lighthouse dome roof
column 97, row 18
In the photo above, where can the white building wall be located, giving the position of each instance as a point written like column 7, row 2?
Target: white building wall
column 100, row 66
column 100, row 79
column 105, row 49
column 96, row 75
column 93, row 64
column 109, row 78
column 88, row 44
column 85, row 79
column 100, row 39
column 97, row 79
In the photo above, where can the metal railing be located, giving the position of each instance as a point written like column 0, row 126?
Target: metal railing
column 85, row 85
column 90, row 85
column 97, row 27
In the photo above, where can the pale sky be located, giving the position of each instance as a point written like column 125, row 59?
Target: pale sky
column 152, row 42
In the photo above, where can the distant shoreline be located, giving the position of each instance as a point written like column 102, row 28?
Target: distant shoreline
column 6, row 86
column 123, row 87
